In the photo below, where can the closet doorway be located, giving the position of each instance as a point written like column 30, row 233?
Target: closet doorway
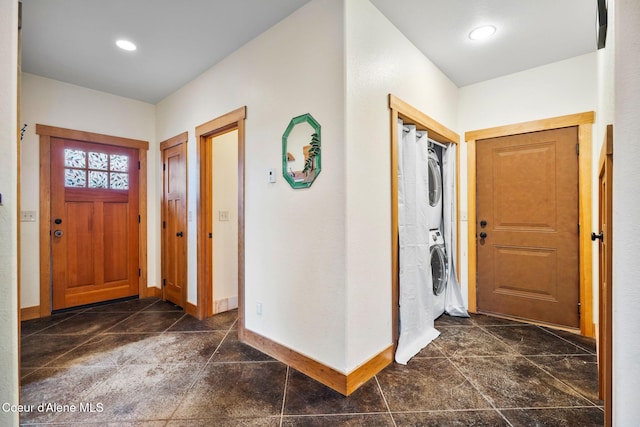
column 213, row 220
column 410, row 115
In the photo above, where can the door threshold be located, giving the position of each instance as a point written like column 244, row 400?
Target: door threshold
column 531, row 322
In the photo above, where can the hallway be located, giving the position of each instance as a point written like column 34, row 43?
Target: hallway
column 147, row 363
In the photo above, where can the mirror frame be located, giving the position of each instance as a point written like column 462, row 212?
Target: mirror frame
column 317, row 162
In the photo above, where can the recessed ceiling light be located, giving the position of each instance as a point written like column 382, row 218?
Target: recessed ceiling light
column 126, row 45
column 482, row 33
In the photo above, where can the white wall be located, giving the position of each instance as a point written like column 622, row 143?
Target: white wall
column 560, row 88
column 54, row 103
column 225, row 233
column 379, row 61
column 8, row 208
column 626, row 210
column 294, row 239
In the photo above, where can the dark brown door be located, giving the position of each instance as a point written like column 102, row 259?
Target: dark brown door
column 174, row 224
column 605, row 257
column 527, row 222
column 94, row 222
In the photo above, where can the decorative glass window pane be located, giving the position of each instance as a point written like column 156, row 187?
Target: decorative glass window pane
column 74, row 158
column 75, row 178
column 98, row 161
column 119, row 163
column 119, row 181
column 97, row 179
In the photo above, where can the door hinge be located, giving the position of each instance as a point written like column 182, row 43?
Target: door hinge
column 578, row 149
column 164, row 166
column 138, row 165
column 139, row 272
column 210, row 235
column 164, row 224
column 164, row 282
column 579, row 311
column 139, row 219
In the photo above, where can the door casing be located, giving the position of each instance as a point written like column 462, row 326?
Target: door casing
column 584, row 122
column 605, row 294
column 233, row 120
column 45, row 134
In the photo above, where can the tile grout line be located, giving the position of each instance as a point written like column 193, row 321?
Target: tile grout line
column 473, row 384
column 564, row 339
column 284, row 395
column 542, row 368
column 102, row 380
column 202, row 368
column 526, row 357
column 384, row 398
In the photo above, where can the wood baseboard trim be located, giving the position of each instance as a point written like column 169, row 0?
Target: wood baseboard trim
column 191, row 309
column 344, row 384
column 369, row 369
column 153, row 292
column 28, row 313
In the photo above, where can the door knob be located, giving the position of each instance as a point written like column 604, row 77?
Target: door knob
column 58, row 221
column 595, row 236
column 483, row 235
column 179, row 234
column 483, row 223
column 58, row 233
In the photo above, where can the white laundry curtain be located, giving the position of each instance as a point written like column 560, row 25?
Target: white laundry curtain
column 416, row 308
column 454, row 304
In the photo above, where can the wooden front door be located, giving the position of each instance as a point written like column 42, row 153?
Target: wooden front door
column 527, row 226
column 605, row 258
column 94, row 222
column 174, row 222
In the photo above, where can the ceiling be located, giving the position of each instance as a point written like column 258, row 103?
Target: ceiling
column 73, row 40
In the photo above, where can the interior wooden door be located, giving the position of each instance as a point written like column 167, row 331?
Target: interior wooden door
column 94, row 222
column 527, row 222
column 174, row 224
column 605, row 257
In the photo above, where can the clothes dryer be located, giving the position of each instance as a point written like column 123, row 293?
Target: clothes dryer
column 435, row 190
column 439, row 270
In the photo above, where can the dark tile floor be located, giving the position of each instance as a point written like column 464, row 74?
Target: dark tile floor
column 146, row 363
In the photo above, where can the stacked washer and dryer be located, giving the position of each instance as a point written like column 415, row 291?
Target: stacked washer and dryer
column 438, row 253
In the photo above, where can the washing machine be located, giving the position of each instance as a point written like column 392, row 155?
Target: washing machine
column 439, row 270
column 435, row 189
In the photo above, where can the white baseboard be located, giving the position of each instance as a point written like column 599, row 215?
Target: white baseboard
column 225, row 304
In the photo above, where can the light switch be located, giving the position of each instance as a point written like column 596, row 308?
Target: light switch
column 28, row 216
column 271, row 175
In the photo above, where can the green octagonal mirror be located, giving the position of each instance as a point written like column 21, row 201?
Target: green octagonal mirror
column 301, row 154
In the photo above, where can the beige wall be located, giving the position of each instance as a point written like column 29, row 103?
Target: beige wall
column 225, row 233
column 8, row 209
column 54, row 103
column 294, row 239
column 626, row 210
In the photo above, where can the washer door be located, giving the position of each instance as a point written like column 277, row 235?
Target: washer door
column 435, row 182
column 438, row 269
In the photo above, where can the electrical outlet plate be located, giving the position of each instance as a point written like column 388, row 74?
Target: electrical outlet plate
column 223, row 215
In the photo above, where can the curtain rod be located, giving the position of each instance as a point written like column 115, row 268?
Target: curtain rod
column 440, row 144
